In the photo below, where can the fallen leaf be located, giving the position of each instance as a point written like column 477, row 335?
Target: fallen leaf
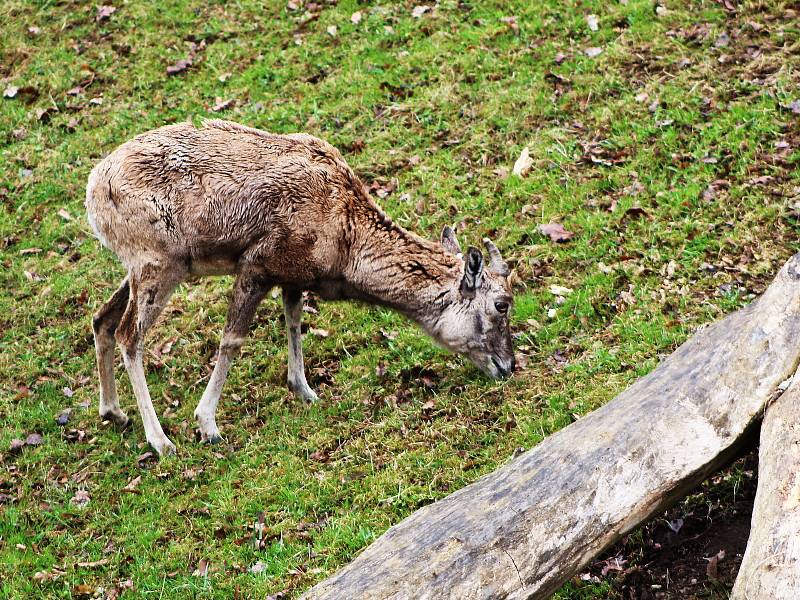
column 68, row 392
column 191, row 473
column 512, row 23
column 641, row 97
column 258, row 568
column 27, row 93
column 62, row 212
column 202, row 568
column 593, row 52
column 332, row 31
column 560, row 290
column 559, row 58
column 613, row 564
column 355, row 18
column 63, row 417
column 131, row 486
column 592, row 22
column 501, row 172
column 420, row 10
column 428, row 405
column 723, row 40
column 556, row 232
column 34, row 439
column 51, row 575
column 144, row 457
column 180, row 66
column 16, row 445
column 221, row 104
column 523, row 163
column 44, row 114
column 104, row 12
column 320, row 456
column 81, row 498
column 323, row 333
column 793, row 106
column 93, row 563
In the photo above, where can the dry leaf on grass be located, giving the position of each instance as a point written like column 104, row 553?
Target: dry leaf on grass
column 419, row 11
column 556, row 232
column 523, row 164
column 202, row 568
column 104, row 12
column 81, row 498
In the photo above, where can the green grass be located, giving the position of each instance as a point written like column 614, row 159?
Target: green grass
column 440, row 103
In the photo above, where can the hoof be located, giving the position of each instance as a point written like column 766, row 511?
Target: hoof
column 119, row 419
column 163, row 447
column 212, row 436
column 303, row 392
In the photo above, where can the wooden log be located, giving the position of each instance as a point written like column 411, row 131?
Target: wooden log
column 771, row 565
column 523, row 530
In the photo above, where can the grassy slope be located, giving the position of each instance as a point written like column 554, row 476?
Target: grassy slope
column 439, row 102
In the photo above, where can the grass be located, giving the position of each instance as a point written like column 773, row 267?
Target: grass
column 627, row 147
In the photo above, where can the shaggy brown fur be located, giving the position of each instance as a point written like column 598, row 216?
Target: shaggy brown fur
column 275, row 210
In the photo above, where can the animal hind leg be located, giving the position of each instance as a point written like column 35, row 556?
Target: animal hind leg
column 248, row 291
column 105, row 324
column 296, row 378
column 151, row 285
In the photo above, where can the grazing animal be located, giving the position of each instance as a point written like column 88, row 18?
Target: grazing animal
column 273, row 210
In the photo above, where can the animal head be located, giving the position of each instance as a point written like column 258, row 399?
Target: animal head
column 476, row 324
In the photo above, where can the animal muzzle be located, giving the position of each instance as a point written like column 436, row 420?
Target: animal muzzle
column 502, row 367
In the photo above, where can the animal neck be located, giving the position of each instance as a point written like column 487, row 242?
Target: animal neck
column 396, row 268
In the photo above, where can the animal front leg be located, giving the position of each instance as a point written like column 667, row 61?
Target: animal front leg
column 293, row 309
column 248, row 291
column 150, row 288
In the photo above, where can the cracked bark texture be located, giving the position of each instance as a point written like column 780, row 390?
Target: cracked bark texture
column 771, row 564
column 523, row 530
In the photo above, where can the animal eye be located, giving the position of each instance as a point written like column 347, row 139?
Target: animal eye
column 502, row 307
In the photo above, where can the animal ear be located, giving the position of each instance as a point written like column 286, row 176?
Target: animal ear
column 473, row 270
column 449, row 240
column 496, row 262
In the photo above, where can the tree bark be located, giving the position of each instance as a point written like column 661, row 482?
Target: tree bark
column 771, row 564
column 523, row 530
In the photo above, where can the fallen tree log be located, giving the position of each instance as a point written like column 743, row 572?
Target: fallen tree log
column 523, row 530
column 771, row 564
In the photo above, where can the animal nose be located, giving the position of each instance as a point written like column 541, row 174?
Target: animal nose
column 503, row 370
